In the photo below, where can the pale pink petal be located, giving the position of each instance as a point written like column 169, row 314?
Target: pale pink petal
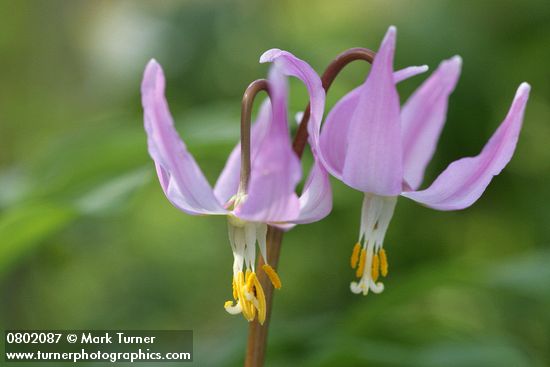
column 423, row 117
column 181, row 178
column 315, row 201
column 464, row 180
column 316, row 198
column 334, row 133
column 292, row 66
column 275, row 170
column 408, row 72
column 373, row 160
column 228, row 182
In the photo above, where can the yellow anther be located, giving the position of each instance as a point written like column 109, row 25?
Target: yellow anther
column 355, row 255
column 228, row 304
column 252, row 311
column 375, row 269
column 249, row 312
column 362, row 259
column 261, row 301
column 272, row 275
column 247, row 307
column 235, row 292
column 383, row 262
column 250, row 281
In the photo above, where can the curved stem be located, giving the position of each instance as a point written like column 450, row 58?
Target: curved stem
column 257, row 334
column 246, row 115
column 331, row 72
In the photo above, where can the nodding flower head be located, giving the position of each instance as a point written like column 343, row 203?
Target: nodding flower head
column 380, row 148
column 255, row 189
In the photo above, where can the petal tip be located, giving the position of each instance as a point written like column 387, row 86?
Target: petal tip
column 153, row 68
column 153, row 77
column 153, row 65
column 453, row 63
column 456, row 59
column 524, row 88
column 522, row 94
column 390, row 35
column 270, row 55
column 449, row 70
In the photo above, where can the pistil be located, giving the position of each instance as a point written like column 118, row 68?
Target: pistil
column 368, row 258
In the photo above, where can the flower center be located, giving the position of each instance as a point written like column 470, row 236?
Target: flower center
column 368, row 257
column 248, row 294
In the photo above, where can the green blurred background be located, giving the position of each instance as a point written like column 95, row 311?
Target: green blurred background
column 88, row 240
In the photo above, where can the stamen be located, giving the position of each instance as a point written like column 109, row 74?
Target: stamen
column 252, row 311
column 260, row 296
column 249, row 297
column 247, row 307
column 235, row 292
column 362, row 260
column 273, row 276
column 375, row 270
column 355, row 255
column 383, row 262
column 250, row 281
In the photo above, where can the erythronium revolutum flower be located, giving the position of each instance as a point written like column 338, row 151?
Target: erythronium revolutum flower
column 267, row 198
column 291, row 66
column 382, row 150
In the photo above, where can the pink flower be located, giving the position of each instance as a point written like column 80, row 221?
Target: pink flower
column 270, row 198
column 374, row 145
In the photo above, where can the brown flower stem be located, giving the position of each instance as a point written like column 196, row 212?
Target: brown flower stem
column 246, row 115
column 257, row 334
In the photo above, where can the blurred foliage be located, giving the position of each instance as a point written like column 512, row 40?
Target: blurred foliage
column 87, row 239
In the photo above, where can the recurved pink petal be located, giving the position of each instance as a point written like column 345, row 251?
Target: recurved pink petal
column 464, row 180
column 290, row 65
column 408, row 72
column 373, row 159
column 181, row 178
column 423, row 117
column 316, row 198
column 275, row 170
